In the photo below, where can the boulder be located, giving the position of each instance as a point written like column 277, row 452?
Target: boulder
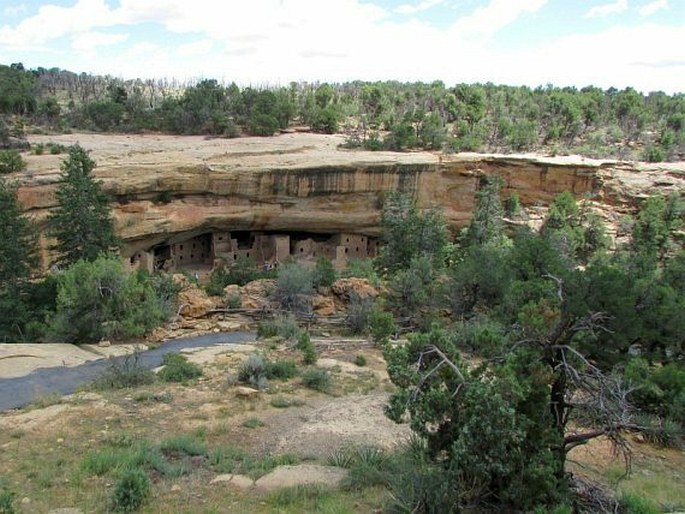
column 303, row 474
column 246, row 392
column 255, row 294
column 323, row 305
column 194, row 302
column 241, row 482
column 345, row 288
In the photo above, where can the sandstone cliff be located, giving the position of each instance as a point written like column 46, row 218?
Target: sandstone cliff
column 168, row 186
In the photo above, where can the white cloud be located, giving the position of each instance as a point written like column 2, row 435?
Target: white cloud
column 616, row 7
column 201, row 47
column 652, row 7
column 424, row 5
column 15, row 10
column 648, row 57
column 53, row 22
column 276, row 41
column 487, row 20
column 87, row 43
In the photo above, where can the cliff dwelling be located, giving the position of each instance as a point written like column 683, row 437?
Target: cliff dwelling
column 211, row 249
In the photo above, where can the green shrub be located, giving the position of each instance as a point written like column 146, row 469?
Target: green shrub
column 358, row 312
column 166, row 289
column 253, row 423
column 512, row 205
column 253, row 372
column 37, row 148
column 6, row 502
column 100, row 299
column 164, row 197
column 184, row 444
column 304, row 344
column 368, row 466
column 262, row 125
column 280, row 370
column 381, row 325
column 56, row 148
column 124, row 372
column 178, row 369
column 326, row 121
column 234, row 301
column 294, row 287
column 281, row 325
column 658, row 431
column 229, row 459
column 373, row 142
column 654, row 153
column 281, row 402
column 324, row 273
column 317, row 379
column 131, row 491
column 304, row 498
column 362, row 268
column 633, row 504
column 11, row 161
column 360, row 360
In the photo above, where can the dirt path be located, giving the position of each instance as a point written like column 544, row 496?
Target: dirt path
column 18, row 391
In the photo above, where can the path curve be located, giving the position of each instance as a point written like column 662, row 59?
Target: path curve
column 21, row 391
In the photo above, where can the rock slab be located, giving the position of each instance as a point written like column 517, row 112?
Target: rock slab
column 303, row 474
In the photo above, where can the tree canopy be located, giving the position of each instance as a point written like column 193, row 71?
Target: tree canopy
column 81, row 224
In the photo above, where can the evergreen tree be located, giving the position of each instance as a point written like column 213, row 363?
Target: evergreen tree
column 17, row 256
column 486, row 225
column 81, row 224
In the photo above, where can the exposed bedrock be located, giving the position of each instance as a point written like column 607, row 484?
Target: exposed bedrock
column 167, row 187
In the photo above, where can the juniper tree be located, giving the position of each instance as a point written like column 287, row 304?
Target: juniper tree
column 82, row 223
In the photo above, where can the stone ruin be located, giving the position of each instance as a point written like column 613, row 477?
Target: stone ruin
column 211, row 249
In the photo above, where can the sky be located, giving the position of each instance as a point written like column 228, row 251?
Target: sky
column 607, row 43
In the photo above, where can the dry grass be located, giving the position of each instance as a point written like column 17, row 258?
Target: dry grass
column 46, row 460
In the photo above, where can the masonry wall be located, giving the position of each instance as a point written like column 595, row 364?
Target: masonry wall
column 217, row 248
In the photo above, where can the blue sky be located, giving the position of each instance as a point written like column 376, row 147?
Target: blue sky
column 638, row 43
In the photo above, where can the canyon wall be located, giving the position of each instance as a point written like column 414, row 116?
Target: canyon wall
column 168, row 188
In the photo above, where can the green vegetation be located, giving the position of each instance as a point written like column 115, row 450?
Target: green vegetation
column 360, row 360
column 17, row 258
column 294, row 287
column 6, row 501
column 100, row 299
column 82, row 223
column 281, row 370
column 554, row 317
column 185, row 444
column 178, row 369
column 240, row 272
column 324, row 273
column 281, row 325
column 281, row 402
column 304, row 344
column 379, row 115
column 130, row 491
column 124, row 372
column 11, row 162
column 253, row 372
column 257, row 371
column 317, row 379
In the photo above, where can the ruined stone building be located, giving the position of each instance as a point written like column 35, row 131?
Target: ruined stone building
column 266, row 249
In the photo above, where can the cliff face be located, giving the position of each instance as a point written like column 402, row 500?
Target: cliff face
column 166, row 187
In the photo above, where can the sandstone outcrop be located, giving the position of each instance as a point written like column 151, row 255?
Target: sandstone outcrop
column 169, row 188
